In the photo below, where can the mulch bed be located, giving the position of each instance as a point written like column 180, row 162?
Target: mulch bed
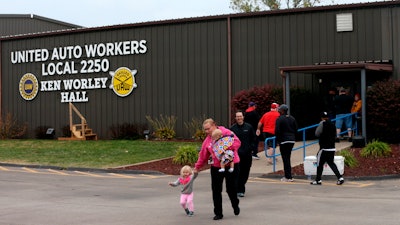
column 367, row 166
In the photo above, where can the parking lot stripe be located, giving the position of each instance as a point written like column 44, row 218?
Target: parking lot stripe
column 29, row 170
column 58, row 172
column 3, row 168
column 121, row 175
column 88, row 174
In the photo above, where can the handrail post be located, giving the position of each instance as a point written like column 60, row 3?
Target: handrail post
column 274, row 154
column 304, row 144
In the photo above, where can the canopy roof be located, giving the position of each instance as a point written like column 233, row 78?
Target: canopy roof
column 380, row 65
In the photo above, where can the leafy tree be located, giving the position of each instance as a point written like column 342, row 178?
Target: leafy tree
column 259, row 5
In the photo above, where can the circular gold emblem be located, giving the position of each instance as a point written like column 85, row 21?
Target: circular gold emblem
column 123, row 81
column 28, row 86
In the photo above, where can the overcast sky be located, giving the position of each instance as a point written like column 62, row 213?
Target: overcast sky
column 92, row 13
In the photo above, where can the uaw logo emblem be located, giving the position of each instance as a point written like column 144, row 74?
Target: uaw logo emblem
column 123, row 81
column 28, row 86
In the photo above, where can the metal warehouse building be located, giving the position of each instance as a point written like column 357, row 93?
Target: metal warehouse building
column 192, row 67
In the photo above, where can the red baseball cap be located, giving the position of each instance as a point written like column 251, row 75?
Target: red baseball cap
column 274, row 105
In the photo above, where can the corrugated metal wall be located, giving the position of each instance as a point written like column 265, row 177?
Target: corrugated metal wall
column 13, row 24
column 183, row 73
column 185, row 69
column 262, row 44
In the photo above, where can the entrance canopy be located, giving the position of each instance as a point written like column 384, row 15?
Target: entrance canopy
column 362, row 66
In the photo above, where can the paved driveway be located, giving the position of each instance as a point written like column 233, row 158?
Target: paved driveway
column 43, row 196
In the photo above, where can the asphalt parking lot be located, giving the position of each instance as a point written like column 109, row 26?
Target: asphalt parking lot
column 46, row 196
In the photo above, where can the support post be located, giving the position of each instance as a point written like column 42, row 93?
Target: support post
column 363, row 102
column 287, row 91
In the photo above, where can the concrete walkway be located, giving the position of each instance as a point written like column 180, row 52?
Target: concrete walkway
column 261, row 167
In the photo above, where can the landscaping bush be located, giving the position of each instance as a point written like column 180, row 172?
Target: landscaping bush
column 164, row 127
column 383, row 109
column 305, row 106
column 349, row 159
column 263, row 96
column 376, row 149
column 195, row 127
column 186, row 154
column 10, row 128
column 127, row 131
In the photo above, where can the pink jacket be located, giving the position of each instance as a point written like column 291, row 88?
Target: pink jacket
column 207, row 150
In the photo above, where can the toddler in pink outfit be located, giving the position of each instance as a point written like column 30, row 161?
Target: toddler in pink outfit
column 186, row 181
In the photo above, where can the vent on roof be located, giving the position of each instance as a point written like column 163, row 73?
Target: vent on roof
column 344, row 22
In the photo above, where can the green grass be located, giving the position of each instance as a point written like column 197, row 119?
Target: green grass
column 88, row 154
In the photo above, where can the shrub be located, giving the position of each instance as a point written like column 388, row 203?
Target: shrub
column 164, row 127
column 10, row 128
column 301, row 101
column 66, row 131
column 383, row 108
column 127, row 131
column 41, row 132
column 376, row 149
column 186, row 154
column 195, row 127
column 263, row 96
column 349, row 159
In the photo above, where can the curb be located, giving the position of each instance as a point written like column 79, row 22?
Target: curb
column 332, row 177
column 81, row 169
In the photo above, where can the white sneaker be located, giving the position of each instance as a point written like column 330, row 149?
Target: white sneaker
column 221, row 170
column 284, row 179
column 230, row 170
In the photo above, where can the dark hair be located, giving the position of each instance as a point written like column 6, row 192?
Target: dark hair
column 239, row 111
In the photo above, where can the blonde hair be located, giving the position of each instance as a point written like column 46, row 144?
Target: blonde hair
column 210, row 121
column 216, row 134
column 186, row 168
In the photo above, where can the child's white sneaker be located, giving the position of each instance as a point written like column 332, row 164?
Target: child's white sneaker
column 221, row 170
column 230, row 170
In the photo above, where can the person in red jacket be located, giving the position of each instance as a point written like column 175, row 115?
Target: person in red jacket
column 206, row 154
column 252, row 117
column 267, row 123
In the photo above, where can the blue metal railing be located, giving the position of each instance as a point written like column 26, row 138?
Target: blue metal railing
column 305, row 144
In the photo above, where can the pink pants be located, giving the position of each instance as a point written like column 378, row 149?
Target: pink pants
column 187, row 201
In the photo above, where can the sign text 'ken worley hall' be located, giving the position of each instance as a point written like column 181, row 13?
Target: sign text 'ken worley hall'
column 70, row 60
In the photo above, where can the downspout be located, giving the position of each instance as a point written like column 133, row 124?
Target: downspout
column 1, row 79
column 229, row 68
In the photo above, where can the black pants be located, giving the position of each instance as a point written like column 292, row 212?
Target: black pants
column 217, row 179
column 286, row 153
column 244, row 171
column 255, row 150
column 326, row 157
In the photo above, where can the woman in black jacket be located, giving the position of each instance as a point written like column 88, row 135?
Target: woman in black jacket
column 285, row 132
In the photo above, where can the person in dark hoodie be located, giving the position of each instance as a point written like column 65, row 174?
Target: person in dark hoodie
column 285, row 132
column 252, row 117
column 247, row 136
column 326, row 132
